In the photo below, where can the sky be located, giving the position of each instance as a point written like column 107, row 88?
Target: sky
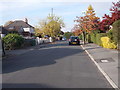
column 36, row 10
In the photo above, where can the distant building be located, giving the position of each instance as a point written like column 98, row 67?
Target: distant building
column 3, row 31
column 22, row 27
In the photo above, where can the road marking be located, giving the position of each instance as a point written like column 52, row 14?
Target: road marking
column 101, row 70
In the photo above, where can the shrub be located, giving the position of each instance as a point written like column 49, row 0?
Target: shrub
column 93, row 35
column 13, row 41
column 110, row 35
column 98, row 38
column 80, row 36
column 107, row 44
column 88, row 37
column 116, row 31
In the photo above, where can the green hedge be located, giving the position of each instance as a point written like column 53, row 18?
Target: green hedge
column 13, row 41
column 116, row 31
column 80, row 36
column 98, row 38
column 93, row 37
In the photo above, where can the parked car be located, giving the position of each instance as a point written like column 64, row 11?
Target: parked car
column 63, row 38
column 74, row 40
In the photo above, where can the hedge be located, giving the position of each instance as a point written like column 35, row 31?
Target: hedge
column 116, row 31
column 98, row 38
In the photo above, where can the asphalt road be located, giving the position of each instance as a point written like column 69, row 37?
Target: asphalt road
column 53, row 66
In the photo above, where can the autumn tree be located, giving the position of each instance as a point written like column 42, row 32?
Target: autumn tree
column 76, row 30
column 110, row 19
column 51, row 26
column 89, row 22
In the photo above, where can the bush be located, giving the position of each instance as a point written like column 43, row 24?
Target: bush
column 110, row 35
column 93, row 37
column 29, row 42
column 107, row 44
column 116, row 31
column 13, row 41
column 80, row 36
column 98, row 38
column 88, row 37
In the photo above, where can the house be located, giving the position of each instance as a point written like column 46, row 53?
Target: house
column 22, row 27
column 3, row 31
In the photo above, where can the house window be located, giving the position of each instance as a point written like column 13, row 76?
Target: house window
column 11, row 28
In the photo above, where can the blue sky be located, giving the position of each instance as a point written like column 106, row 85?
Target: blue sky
column 36, row 10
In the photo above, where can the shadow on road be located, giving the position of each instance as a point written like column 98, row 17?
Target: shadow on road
column 37, row 58
column 25, row 85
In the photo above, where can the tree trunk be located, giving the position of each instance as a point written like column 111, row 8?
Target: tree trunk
column 84, row 37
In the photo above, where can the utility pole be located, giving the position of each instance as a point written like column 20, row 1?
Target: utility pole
column 52, row 13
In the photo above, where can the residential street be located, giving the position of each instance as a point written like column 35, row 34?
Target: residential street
column 56, row 65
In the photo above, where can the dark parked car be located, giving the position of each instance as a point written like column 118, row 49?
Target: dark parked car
column 74, row 40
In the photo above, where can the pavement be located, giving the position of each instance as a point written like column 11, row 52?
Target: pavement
column 106, row 60
column 11, row 53
column 57, row 65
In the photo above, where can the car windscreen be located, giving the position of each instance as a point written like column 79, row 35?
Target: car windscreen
column 74, row 37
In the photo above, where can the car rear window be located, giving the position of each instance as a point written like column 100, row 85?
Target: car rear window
column 74, row 37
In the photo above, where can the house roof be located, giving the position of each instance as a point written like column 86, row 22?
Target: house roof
column 3, row 30
column 19, row 23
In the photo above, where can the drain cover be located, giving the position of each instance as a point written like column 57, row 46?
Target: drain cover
column 104, row 61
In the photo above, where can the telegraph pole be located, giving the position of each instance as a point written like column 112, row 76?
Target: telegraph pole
column 52, row 13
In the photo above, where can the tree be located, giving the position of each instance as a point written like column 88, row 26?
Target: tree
column 91, row 21
column 68, row 34
column 88, row 23
column 110, row 19
column 51, row 26
column 76, row 30
column 38, row 32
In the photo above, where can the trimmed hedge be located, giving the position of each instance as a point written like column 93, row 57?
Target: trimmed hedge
column 13, row 41
column 116, row 31
column 98, row 38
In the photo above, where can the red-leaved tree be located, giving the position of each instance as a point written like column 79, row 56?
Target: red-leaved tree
column 110, row 19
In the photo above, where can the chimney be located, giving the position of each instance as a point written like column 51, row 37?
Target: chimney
column 26, row 20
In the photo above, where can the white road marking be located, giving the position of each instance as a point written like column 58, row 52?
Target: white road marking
column 101, row 70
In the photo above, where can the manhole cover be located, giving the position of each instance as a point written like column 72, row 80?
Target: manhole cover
column 104, row 61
